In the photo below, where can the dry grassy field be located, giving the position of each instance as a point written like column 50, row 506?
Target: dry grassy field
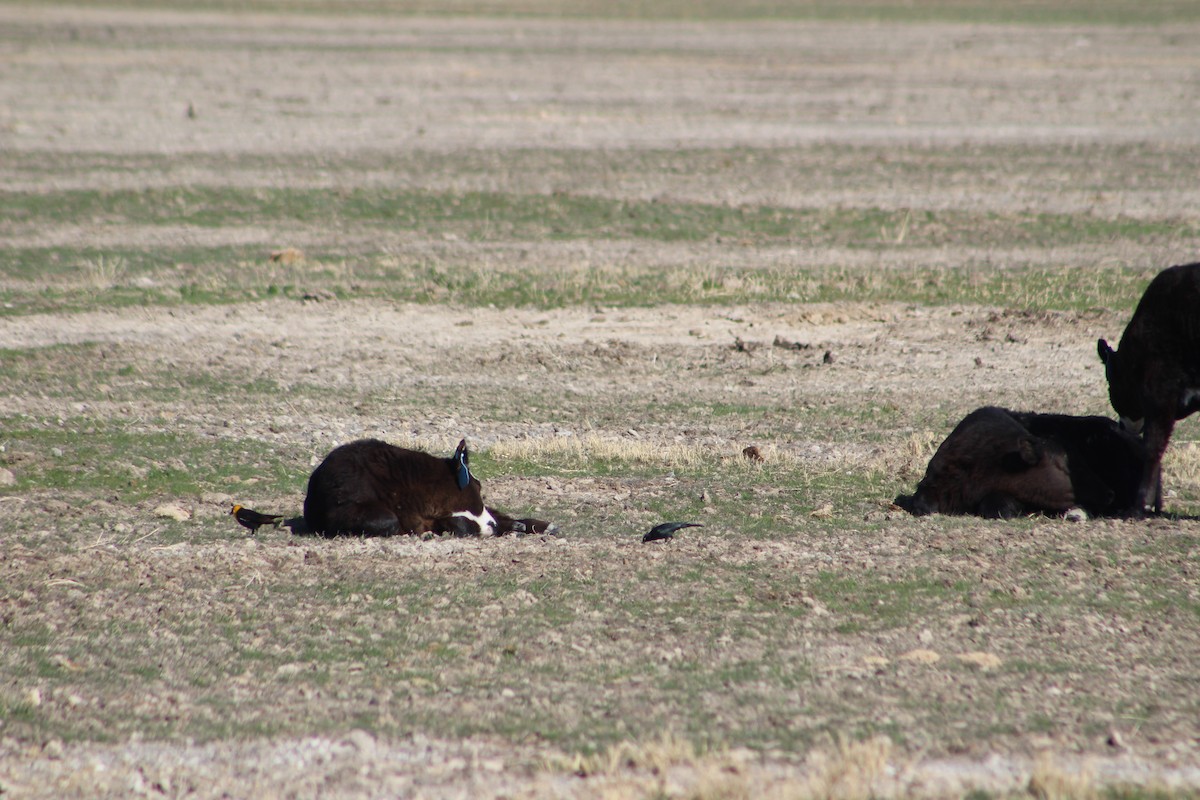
column 612, row 246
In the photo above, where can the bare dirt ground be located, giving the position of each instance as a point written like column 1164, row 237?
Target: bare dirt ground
column 353, row 89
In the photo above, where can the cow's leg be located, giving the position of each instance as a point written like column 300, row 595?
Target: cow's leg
column 412, row 522
column 379, row 521
column 538, row 526
column 464, row 523
column 456, row 525
column 506, row 524
column 1158, row 489
column 361, row 519
column 1157, row 434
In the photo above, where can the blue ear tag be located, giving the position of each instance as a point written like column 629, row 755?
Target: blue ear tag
column 461, row 473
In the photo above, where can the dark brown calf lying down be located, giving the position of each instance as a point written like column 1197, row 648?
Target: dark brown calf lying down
column 1001, row 463
column 372, row 488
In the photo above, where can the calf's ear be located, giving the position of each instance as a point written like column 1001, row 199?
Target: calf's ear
column 1026, row 454
column 462, row 474
column 1103, row 350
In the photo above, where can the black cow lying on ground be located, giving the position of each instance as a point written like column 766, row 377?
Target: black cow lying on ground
column 372, row 488
column 1154, row 374
column 1001, row 463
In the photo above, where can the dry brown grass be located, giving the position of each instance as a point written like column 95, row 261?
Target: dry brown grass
column 591, row 447
column 851, row 770
column 666, row 765
column 671, row 766
column 1181, row 467
column 1050, row 781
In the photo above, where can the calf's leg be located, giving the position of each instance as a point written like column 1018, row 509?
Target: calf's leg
column 506, row 524
column 362, row 519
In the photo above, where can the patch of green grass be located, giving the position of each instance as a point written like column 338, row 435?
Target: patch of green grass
column 116, row 373
column 1048, row 667
column 102, row 269
column 493, row 216
column 18, row 712
column 69, row 278
column 978, row 794
column 1141, row 793
column 880, row 604
column 1095, row 166
column 470, row 283
column 373, row 639
column 72, row 280
column 128, row 463
column 520, row 655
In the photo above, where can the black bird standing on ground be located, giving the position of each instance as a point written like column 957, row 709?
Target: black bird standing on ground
column 667, row 530
column 252, row 519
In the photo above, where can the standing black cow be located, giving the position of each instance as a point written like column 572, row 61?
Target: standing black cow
column 1001, row 463
column 1154, row 374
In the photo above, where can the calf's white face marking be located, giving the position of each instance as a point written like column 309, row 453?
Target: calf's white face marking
column 485, row 521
